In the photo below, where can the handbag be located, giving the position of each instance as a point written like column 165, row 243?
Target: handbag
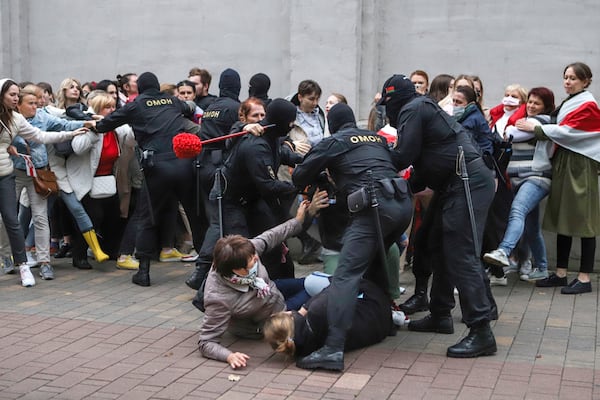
column 103, row 187
column 45, row 182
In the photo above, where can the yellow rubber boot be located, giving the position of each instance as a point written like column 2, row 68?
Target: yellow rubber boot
column 92, row 240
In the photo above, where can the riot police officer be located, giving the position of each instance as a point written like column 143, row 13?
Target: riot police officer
column 447, row 160
column 155, row 119
column 217, row 120
column 356, row 160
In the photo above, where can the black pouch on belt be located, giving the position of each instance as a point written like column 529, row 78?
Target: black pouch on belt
column 358, row 200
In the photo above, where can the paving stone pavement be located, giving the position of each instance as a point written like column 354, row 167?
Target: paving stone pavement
column 94, row 335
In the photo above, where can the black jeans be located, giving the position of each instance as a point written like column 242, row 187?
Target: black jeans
column 168, row 177
column 360, row 247
column 457, row 263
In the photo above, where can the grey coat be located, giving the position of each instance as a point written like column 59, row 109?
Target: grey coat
column 238, row 307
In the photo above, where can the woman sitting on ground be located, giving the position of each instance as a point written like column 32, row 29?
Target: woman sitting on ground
column 238, row 293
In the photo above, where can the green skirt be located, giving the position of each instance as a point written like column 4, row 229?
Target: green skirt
column 573, row 207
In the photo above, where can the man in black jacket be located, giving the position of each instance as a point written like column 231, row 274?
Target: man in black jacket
column 217, row 120
column 431, row 141
column 356, row 159
column 155, row 119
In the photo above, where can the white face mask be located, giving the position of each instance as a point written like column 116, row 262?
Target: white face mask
column 510, row 101
column 254, row 270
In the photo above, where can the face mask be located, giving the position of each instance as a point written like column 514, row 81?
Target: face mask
column 510, row 101
column 458, row 111
column 252, row 272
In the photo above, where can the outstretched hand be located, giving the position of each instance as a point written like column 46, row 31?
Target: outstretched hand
column 319, row 201
column 79, row 131
column 237, row 360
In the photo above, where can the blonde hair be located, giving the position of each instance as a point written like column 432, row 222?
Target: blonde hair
column 519, row 89
column 64, row 85
column 279, row 333
column 30, row 90
column 99, row 99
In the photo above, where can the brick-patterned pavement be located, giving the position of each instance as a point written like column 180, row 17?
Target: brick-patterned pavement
column 94, row 335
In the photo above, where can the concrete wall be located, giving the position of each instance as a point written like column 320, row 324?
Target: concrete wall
column 348, row 46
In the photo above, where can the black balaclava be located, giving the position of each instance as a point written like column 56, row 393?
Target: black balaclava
column 281, row 113
column 340, row 116
column 229, row 84
column 259, row 86
column 147, row 81
column 397, row 91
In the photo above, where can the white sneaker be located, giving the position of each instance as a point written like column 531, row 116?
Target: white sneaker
column 399, row 318
column 495, row 281
column 191, row 257
column 31, row 259
column 496, row 257
column 27, row 279
column 526, row 267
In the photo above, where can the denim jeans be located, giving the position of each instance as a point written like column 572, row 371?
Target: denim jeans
column 525, row 217
column 84, row 223
column 8, row 211
column 293, row 292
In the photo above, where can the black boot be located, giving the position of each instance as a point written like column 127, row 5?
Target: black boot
column 479, row 342
column 142, row 276
column 415, row 303
column 197, row 276
column 326, row 358
column 81, row 263
column 432, row 323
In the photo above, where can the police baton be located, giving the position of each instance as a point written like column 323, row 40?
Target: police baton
column 464, row 176
column 375, row 208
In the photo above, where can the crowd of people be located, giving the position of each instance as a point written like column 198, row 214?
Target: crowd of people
column 151, row 171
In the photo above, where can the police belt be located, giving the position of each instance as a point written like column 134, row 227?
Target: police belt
column 455, row 182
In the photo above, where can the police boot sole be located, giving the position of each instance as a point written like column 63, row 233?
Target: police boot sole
column 411, row 310
column 328, row 365
column 487, row 351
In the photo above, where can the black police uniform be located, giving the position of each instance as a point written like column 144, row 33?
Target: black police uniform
column 348, row 154
column 428, row 139
column 205, row 101
column 217, row 121
column 256, row 194
column 155, row 119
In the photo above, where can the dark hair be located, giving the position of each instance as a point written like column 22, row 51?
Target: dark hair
column 25, row 83
column 547, row 97
column 308, row 87
column 105, row 83
column 123, row 80
column 582, row 71
column 46, row 87
column 205, row 76
column 439, row 86
column 185, row 82
column 5, row 112
column 468, row 92
column 232, row 252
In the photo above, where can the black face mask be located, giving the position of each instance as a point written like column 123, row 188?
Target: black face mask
column 395, row 104
column 147, row 81
column 340, row 115
column 281, row 113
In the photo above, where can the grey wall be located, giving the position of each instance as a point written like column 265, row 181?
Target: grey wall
column 348, row 46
